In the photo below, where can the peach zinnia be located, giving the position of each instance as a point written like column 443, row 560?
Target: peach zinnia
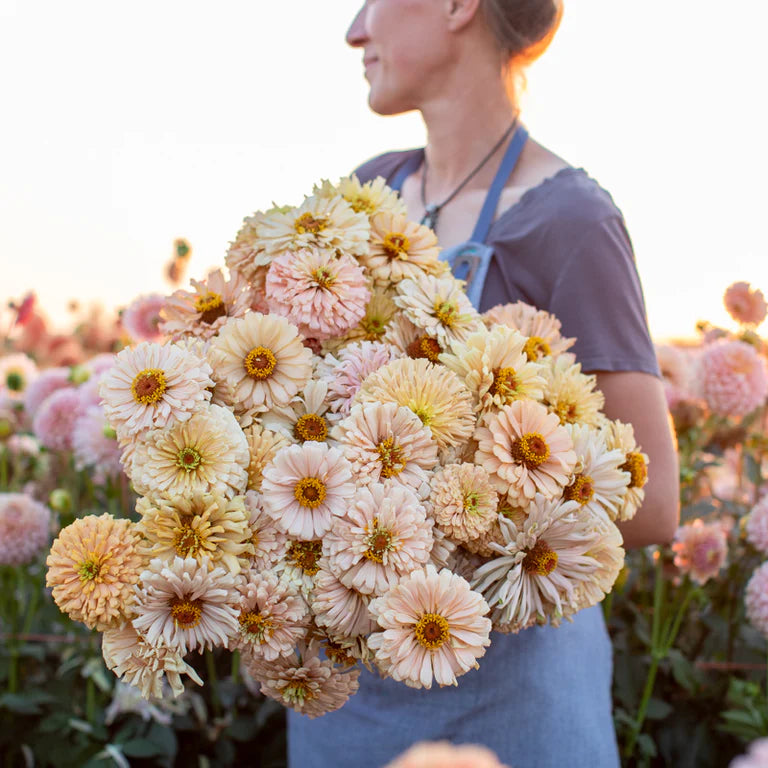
column 433, row 628
column 635, row 465
column 263, row 444
column 372, row 197
column 340, row 610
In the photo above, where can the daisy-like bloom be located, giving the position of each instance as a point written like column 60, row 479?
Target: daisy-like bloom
column 341, row 610
column 24, row 528
column 443, row 754
column 411, row 341
column 17, row 372
column 273, row 617
column 152, row 385
column 95, row 444
column 608, row 551
column 305, row 486
column 733, row 378
column 319, row 222
column 263, row 444
column 700, row 549
column 303, row 682
column 200, row 525
column 622, row 436
column 262, row 360
column 756, row 599
column 435, row 394
column 495, row 368
column 371, row 198
column 93, row 566
column 434, row 628
column 202, row 312
column 144, row 666
column 207, row 453
column 757, row 526
column 756, row 757
column 268, row 542
column 382, row 536
column 600, row 482
column 443, row 549
column 379, row 314
column 387, row 442
column 400, row 249
column 304, row 419
column 246, row 254
column 186, row 604
column 534, row 576
column 46, row 383
column 141, row 318
column 526, row 451
column 745, row 304
column 571, row 394
column 55, row 420
column 439, row 306
column 463, row 502
column 541, row 328
column 301, row 565
column 322, row 293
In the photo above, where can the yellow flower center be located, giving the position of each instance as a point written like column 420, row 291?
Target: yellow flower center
column 338, row 655
column 90, row 569
column 255, row 626
column 310, row 492
column 311, row 427
column 187, row 542
column 391, row 457
column 504, row 382
column 635, row 465
column 581, row 490
column 530, row 450
column 148, row 386
column 447, row 313
column 186, row 614
column 396, row 246
column 567, row 412
column 260, row 363
column 471, row 502
column 424, row 413
column 540, row 559
column 297, row 692
column 188, row 459
column 536, row 347
column 361, row 204
column 374, row 327
column 307, row 223
column 424, row 347
column 323, row 277
column 211, row 307
column 306, row 555
column 432, row 631
column 379, row 543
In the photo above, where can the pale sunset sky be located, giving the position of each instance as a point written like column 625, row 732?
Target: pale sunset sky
column 126, row 125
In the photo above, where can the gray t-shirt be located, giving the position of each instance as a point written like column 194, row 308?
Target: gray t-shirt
column 563, row 247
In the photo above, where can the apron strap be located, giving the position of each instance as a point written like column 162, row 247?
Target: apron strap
column 411, row 165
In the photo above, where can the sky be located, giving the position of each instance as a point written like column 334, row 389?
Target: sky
column 127, row 125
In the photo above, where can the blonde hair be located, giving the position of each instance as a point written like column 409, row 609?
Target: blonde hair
column 523, row 28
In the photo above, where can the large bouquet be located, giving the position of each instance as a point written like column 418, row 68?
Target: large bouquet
column 341, row 462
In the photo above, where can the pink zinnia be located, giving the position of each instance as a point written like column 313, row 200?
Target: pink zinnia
column 733, row 377
column 340, row 610
column 95, row 444
column 55, row 420
column 700, row 549
column 757, row 526
column 744, row 304
column 756, row 599
column 48, row 382
column 321, row 293
column 24, row 528
column 141, row 318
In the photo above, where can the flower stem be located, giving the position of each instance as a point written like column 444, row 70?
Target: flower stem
column 213, row 680
column 235, row 673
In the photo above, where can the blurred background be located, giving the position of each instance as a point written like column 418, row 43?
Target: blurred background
column 126, row 126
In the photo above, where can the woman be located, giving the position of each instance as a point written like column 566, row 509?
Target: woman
column 545, row 233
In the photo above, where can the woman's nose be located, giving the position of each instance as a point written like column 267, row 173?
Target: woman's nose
column 356, row 34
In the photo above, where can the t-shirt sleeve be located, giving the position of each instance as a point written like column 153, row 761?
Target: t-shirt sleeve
column 598, row 298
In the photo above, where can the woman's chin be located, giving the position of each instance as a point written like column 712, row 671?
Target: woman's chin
column 384, row 104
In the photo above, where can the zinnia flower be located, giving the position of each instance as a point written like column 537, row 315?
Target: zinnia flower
column 443, row 754
column 54, row 422
column 304, row 419
column 571, row 394
column 93, row 567
column 434, row 628
column 756, row 599
column 263, row 444
column 246, row 254
column 372, row 197
column 745, row 304
column 608, row 551
column 622, row 436
column 141, row 318
column 411, row 341
column 24, row 528
column 268, row 542
column 46, row 383
column 95, row 444
column 17, row 372
column 305, row 486
column 700, row 549
column 674, row 366
column 757, row 526
column 340, row 610
column 378, row 316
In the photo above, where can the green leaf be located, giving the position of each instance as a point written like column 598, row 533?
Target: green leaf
column 657, row 709
column 25, row 703
column 683, row 671
column 141, row 748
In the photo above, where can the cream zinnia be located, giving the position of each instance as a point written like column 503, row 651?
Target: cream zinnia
column 263, row 444
column 268, row 542
column 571, row 394
column 305, row 419
column 338, row 609
column 635, row 465
column 370, row 198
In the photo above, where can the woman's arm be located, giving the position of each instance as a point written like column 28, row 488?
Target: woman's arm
column 638, row 399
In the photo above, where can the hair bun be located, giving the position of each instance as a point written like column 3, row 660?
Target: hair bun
column 523, row 28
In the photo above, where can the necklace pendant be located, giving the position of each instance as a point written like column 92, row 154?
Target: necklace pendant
column 430, row 216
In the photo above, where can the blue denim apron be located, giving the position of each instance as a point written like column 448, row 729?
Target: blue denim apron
column 540, row 698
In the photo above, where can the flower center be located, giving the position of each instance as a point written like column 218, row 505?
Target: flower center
column 255, row 626
column 432, row 631
column 307, row 223
column 310, row 492
column 635, row 465
column 391, row 457
column 259, row 363
column 361, row 204
column 396, row 246
column 323, row 277
column 447, row 313
column 423, row 412
column 14, row 381
column 379, row 543
column 536, row 347
column 504, row 382
column 471, row 502
column 424, row 347
column 374, row 327
column 186, row 614
column 338, row 654
column 311, row 427
column 531, row 450
column 211, row 307
column 187, row 542
column 188, row 459
column 306, row 555
column 540, row 559
column 581, row 489
column 148, row 386
column 90, row 569
column 567, row 413
column 297, row 692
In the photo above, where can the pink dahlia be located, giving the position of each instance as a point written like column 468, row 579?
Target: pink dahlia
column 434, row 628
column 756, row 757
column 322, row 293
column 442, row 754
column 745, row 304
column 55, row 420
column 47, row 382
column 700, row 549
column 141, row 318
column 757, row 526
column 756, row 598
column 305, row 487
column 24, row 528
column 733, row 378
column 95, row 444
